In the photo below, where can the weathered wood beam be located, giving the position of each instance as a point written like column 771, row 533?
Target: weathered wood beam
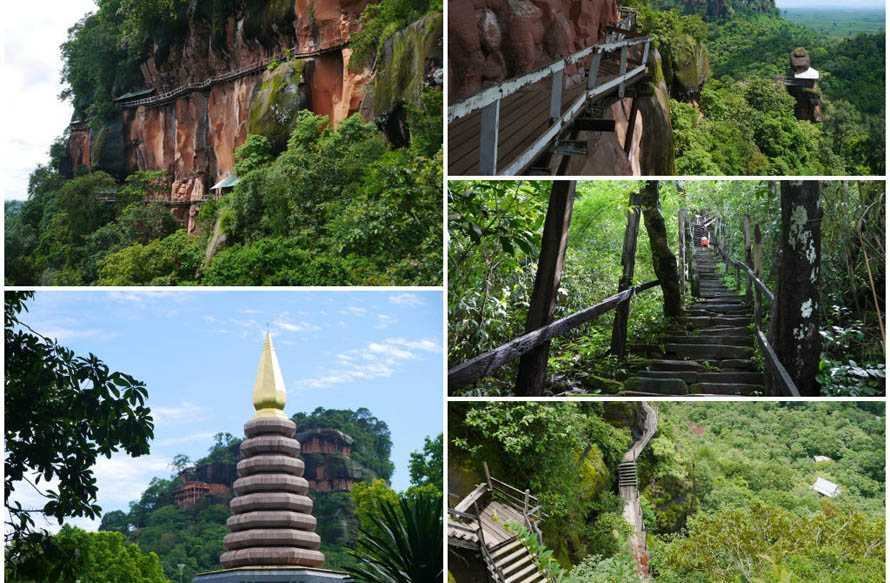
column 628, row 259
column 779, row 378
column 681, row 233
column 631, row 122
column 748, row 257
column 483, row 365
column 589, row 124
column 542, row 305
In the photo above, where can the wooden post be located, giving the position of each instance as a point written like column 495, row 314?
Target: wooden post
column 758, row 299
column 487, row 475
column 542, row 305
column 794, row 319
column 628, row 259
column 631, row 122
column 488, row 139
column 748, row 261
column 525, row 503
column 681, row 232
column 738, row 277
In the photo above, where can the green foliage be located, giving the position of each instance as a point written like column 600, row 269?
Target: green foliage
column 379, row 22
column 404, row 542
column 169, row 261
column 426, row 467
column 69, row 410
column 371, row 439
column 255, row 152
column 619, row 568
column 89, row 557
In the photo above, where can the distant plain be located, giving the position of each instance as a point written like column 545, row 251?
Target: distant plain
column 838, row 22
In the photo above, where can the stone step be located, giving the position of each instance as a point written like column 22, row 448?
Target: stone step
column 669, row 365
column 707, row 351
column 726, row 340
column 672, row 386
column 727, row 378
column 731, row 365
column 724, row 331
column 724, row 389
column 715, row 307
column 711, row 321
column 702, row 313
column 722, row 297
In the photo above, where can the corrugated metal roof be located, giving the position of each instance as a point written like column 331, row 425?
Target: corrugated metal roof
column 821, row 458
column 226, row 182
column 810, row 73
column 137, row 93
column 825, row 487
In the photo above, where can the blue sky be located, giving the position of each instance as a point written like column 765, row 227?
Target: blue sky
column 198, row 352
column 834, row 4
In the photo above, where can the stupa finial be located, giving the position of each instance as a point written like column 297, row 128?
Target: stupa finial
column 269, row 395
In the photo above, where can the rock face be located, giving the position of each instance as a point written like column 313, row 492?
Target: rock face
column 329, row 467
column 493, row 40
column 195, row 135
column 686, row 68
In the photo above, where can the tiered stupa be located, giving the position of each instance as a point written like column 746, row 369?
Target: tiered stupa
column 271, row 531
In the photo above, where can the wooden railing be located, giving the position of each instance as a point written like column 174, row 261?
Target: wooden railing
column 489, row 100
column 483, row 365
column 227, row 76
column 777, row 379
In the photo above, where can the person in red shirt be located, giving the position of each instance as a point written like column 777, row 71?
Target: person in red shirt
column 704, row 241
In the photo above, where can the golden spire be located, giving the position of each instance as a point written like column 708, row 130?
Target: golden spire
column 268, row 390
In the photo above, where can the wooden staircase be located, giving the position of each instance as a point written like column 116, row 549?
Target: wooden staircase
column 715, row 353
column 513, row 563
column 627, row 474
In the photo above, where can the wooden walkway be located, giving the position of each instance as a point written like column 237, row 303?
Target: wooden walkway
column 250, row 69
column 629, row 490
column 525, row 116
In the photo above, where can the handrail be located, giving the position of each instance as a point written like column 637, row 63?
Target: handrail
column 228, row 76
column 483, row 365
column 784, row 382
column 488, row 96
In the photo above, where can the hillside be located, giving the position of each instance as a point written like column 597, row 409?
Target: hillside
column 191, row 122
column 339, row 448
column 740, row 122
column 720, row 503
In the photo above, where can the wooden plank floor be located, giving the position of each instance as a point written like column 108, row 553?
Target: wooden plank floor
column 494, row 516
column 524, row 116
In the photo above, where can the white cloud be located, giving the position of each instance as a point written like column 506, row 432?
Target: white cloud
column 352, row 310
column 298, row 327
column 209, row 318
column 406, row 299
column 249, row 311
column 141, row 297
column 62, row 334
column 183, row 439
column 384, row 321
column 186, row 412
column 374, row 360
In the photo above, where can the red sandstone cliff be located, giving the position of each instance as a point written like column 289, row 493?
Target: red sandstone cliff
column 195, row 135
column 493, row 40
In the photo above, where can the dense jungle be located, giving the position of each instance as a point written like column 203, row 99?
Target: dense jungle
column 730, row 114
column 720, row 504
column 496, row 245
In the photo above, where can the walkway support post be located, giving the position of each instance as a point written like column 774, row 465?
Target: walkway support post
column 628, row 260
column 794, row 320
column 533, row 364
column 758, row 273
column 681, row 232
column 748, row 257
column 664, row 262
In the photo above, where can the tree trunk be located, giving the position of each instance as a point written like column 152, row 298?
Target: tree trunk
column 533, row 365
column 749, row 261
column 663, row 260
column 681, row 248
column 694, row 279
column 628, row 258
column 794, row 320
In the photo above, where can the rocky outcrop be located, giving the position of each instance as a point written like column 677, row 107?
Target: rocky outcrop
column 329, row 468
column 657, row 138
column 493, row 40
column 686, row 68
column 724, row 9
column 195, row 135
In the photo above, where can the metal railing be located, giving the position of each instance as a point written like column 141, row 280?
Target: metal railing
column 228, row 76
column 489, row 100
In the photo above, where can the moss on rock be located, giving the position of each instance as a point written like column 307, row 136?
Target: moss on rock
column 689, row 68
column 403, row 64
column 275, row 103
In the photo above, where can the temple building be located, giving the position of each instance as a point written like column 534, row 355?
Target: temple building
column 802, row 85
column 272, row 534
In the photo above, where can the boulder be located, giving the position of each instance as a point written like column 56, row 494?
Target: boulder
column 275, row 103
